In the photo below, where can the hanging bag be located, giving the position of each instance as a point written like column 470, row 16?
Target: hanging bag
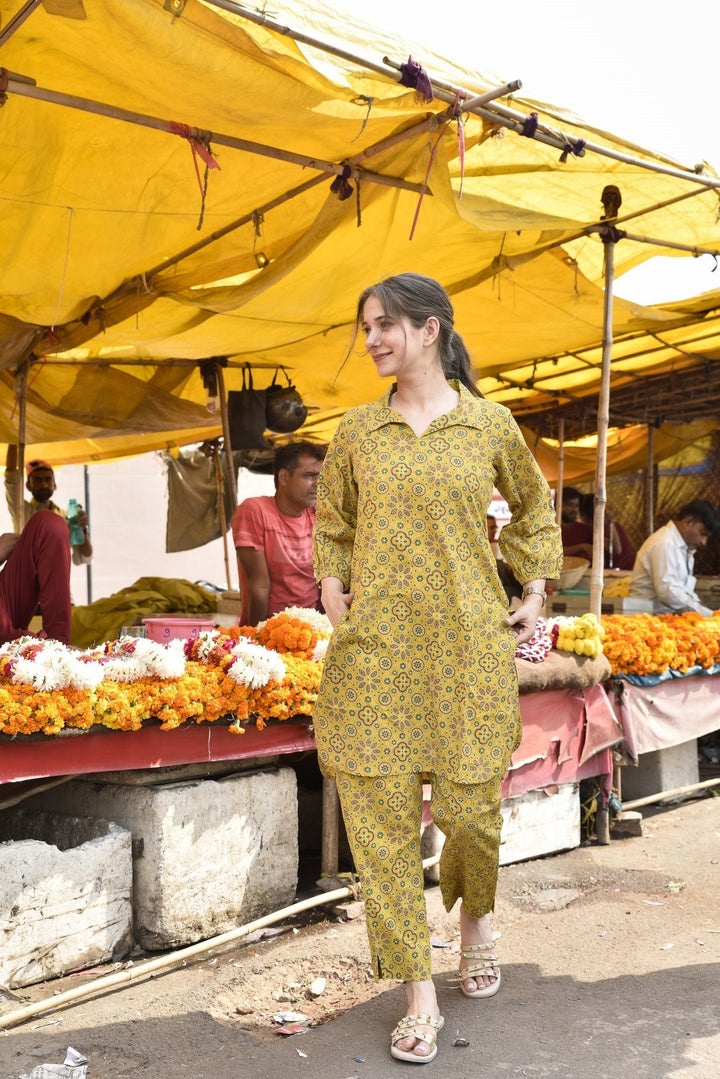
column 246, row 415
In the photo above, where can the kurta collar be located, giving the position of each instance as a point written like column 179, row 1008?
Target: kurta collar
column 468, row 412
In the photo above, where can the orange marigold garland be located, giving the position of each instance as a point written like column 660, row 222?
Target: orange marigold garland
column 220, row 675
column 651, row 644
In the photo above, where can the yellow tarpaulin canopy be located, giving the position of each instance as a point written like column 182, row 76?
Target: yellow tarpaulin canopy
column 117, row 273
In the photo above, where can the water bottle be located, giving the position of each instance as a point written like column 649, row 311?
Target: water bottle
column 77, row 536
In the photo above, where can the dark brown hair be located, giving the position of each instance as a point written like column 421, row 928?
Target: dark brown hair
column 418, row 298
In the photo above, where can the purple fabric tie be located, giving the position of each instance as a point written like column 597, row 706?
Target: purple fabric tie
column 341, row 185
column 414, row 74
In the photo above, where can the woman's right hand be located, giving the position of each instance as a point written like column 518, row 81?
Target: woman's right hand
column 334, row 599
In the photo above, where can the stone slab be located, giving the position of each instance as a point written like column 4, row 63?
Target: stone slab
column 540, row 822
column 208, row 854
column 65, row 894
column 661, row 770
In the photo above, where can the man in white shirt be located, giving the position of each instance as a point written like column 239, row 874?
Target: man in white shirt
column 663, row 570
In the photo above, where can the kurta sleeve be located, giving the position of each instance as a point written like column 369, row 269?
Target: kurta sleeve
column 530, row 543
column 334, row 534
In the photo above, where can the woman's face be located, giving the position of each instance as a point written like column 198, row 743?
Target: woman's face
column 395, row 346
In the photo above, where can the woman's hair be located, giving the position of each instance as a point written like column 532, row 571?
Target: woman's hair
column 418, row 298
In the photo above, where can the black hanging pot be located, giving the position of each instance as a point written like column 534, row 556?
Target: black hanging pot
column 284, row 409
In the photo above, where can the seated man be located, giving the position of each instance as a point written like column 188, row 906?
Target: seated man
column 663, row 570
column 273, row 537
column 36, row 571
column 619, row 552
column 40, row 482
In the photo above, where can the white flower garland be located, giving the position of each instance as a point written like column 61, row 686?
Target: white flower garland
column 131, row 658
column 255, row 666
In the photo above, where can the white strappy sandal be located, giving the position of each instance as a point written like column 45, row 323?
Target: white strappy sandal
column 409, row 1027
column 486, row 965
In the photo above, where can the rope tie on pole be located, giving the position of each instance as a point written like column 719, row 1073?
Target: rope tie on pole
column 530, row 125
column 457, row 115
column 577, row 149
column 200, row 146
column 415, row 76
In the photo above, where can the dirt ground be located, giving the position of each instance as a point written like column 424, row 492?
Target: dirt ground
column 611, row 966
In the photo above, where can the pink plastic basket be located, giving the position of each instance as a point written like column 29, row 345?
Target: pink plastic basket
column 167, row 629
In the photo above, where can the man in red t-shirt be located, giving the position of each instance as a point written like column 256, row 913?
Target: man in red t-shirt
column 273, row 537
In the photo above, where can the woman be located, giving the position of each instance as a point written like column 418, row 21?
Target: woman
column 420, row 676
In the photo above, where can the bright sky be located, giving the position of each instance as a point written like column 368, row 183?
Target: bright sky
column 647, row 73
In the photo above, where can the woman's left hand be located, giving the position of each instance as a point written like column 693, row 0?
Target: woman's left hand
column 522, row 622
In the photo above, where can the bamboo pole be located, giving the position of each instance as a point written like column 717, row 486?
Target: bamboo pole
column 674, row 793
column 561, row 470
column 113, row 112
column 220, row 487
column 227, row 442
column 650, row 481
column 18, row 19
column 502, row 115
column 696, row 251
column 514, row 120
column 21, row 397
column 142, row 970
column 377, row 148
column 598, row 562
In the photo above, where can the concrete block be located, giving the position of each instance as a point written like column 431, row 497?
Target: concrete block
column 540, row 822
column 208, row 854
column 65, row 894
column 661, row 770
column 627, row 823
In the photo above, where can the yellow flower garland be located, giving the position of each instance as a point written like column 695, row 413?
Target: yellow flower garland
column 204, row 693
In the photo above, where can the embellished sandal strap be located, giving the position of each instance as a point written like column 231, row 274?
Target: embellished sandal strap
column 486, row 952
column 480, row 970
column 408, row 1027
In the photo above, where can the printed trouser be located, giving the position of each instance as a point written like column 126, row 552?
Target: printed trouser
column 383, row 818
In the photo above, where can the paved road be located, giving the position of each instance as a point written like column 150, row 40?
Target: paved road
column 611, row 969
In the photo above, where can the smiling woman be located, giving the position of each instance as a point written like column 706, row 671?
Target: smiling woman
column 419, row 675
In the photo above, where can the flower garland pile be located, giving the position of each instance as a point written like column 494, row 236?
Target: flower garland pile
column 583, row 635
column 652, row 644
column 45, row 686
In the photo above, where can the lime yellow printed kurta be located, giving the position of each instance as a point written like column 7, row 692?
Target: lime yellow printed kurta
column 420, row 673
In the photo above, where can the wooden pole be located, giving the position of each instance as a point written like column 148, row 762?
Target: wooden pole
column 514, row 120
column 141, row 970
column 113, row 112
column 561, row 470
column 446, row 92
column 330, row 854
column 650, row 481
column 18, row 19
column 611, row 202
column 696, row 251
column 221, row 510
column 21, row 397
column 674, row 793
column 227, row 443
